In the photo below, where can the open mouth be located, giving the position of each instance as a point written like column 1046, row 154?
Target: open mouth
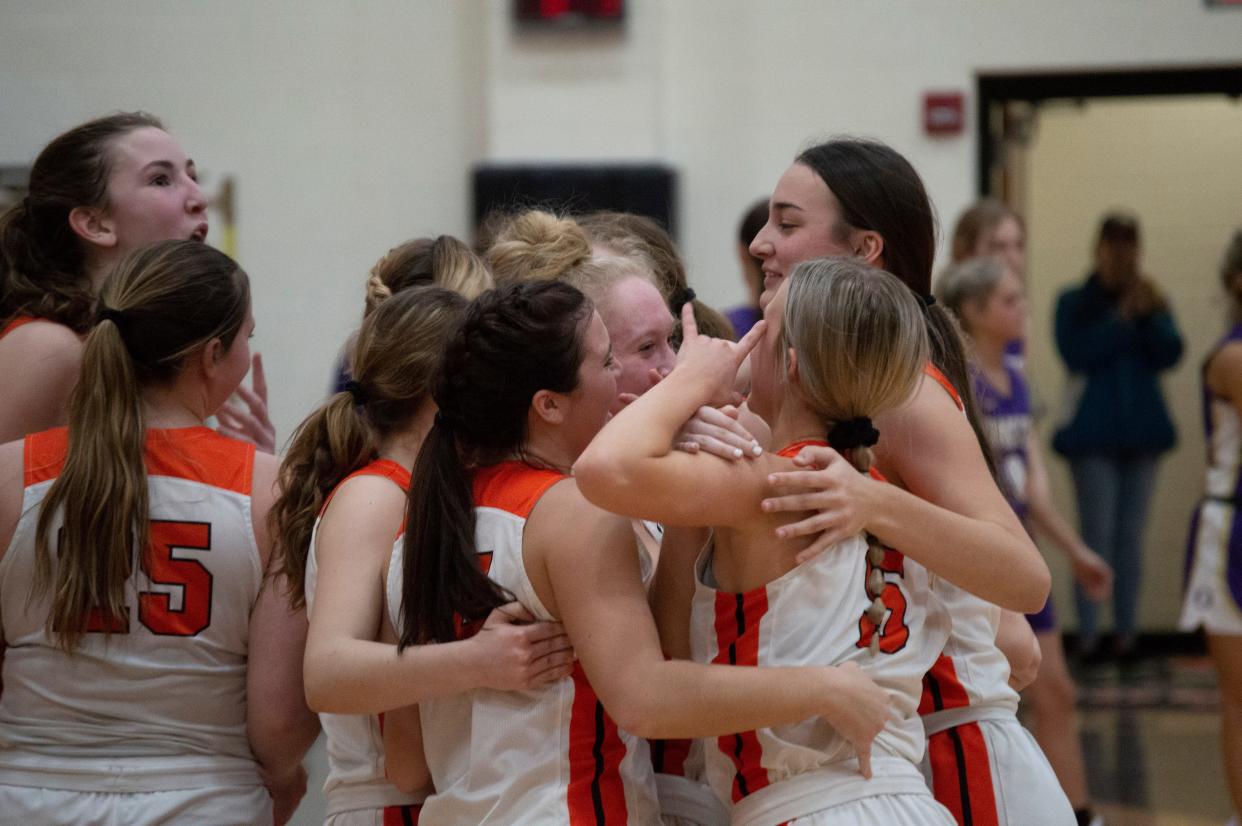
column 200, row 233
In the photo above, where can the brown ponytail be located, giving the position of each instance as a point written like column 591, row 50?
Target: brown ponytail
column 396, row 357
column 159, row 306
column 443, row 261
column 42, row 260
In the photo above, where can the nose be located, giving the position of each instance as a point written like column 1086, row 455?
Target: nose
column 761, row 246
column 196, row 201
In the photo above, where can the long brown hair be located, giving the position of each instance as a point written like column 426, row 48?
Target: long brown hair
column 158, row 307
column 878, row 190
column 42, row 260
column 515, row 341
column 396, row 358
column 979, row 221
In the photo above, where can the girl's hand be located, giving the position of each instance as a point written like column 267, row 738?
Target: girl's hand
column 1093, row 574
column 517, row 652
column 714, row 361
column 833, row 488
column 861, row 708
column 253, row 423
column 718, row 432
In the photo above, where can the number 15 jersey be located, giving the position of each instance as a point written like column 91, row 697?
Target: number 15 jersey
column 160, row 702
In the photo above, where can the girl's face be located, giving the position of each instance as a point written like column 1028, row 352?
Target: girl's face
column 640, row 327
column 802, row 224
column 153, row 192
column 590, row 404
column 767, row 374
column 1001, row 316
column 1006, row 242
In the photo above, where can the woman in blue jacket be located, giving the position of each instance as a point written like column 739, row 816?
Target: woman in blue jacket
column 1115, row 334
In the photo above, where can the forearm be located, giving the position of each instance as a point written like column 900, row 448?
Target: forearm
column 1049, row 523
column 280, row 737
column 987, row 559
column 676, row 699
column 1017, row 642
column 349, row 676
column 672, row 589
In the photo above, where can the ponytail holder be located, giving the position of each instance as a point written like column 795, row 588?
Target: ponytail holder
column 442, row 421
column 355, row 389
column 928, row 299
column 684, row 297
column 850, row 433
column 117, row 317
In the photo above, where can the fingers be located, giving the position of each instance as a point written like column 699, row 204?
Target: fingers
column 795, row 502
column 822, row 543
column 721, row 447
column 626, row 399
column 812, row 479
column 742, row 349
column 511, row 612
column 864, row 761
column 258, row 378
column 822, row 522
column 816, row 456
column 689, row 327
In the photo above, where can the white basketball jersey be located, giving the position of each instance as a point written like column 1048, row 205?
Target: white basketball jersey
column 355, row 742
column 548, row 755
column 159, row 703
column 816, row 615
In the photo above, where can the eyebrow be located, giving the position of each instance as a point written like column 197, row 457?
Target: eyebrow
column 160, row 165
column 785, row 205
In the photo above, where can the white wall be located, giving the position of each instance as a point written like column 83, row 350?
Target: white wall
column 348, row 127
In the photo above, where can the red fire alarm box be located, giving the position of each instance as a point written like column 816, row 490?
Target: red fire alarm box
column 944, row 113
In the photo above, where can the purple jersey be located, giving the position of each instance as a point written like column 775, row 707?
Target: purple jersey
column 1007, row 423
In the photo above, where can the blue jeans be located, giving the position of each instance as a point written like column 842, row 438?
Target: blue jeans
column 1113, row 493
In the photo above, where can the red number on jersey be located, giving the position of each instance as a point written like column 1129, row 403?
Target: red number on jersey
column 893, row 633
column 155, row 609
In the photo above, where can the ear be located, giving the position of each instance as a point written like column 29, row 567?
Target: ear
column 869, row 246
column 549, row 406
column 210, row 357
column 792, row 372
column 93, row 225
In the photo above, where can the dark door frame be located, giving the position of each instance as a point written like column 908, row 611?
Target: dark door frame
column 993, row 88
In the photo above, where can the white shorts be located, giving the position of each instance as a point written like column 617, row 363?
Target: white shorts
column 683, row 802
column 208, row 806
column 994, row 771
column 405, row 815
column 891, row 810
column 1210, row 603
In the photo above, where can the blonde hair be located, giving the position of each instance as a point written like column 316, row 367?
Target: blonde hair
column 443, row 261
column 859, row 337
column 396, row 360
column 158, row 307
column 537, row 246
column 967, row 282
column 637, row 236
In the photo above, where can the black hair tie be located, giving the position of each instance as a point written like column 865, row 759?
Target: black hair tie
column 356, row 390
column 850, row 433
column 684, row 297
column 928, row 299
column 117, row 317
column 443, row 421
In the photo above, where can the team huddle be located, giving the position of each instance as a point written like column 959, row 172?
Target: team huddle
column 558, row 551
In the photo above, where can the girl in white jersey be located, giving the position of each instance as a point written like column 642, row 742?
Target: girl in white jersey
column 133, row 596
column 494, row 514
column 841, row 349
column 943, row 508
column 344, row 480
column 98, row 192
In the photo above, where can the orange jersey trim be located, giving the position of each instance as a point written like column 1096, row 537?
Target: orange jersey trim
column 197, row 454
column 385, row 468
column 962, row 775
column 933, row 371
column 737, row 640
column 514, row 487
column 17, row 321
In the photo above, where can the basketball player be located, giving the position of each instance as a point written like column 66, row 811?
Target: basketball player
column 152, row 672
column 527, row 382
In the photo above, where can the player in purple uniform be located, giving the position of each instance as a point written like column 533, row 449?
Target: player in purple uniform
column 988, row 299
column 1213, row 598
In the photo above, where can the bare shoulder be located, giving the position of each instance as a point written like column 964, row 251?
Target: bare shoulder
column 11, row 491
column 366, row 502
column 1224, row 371
column 43, row 340
column 927, row 428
